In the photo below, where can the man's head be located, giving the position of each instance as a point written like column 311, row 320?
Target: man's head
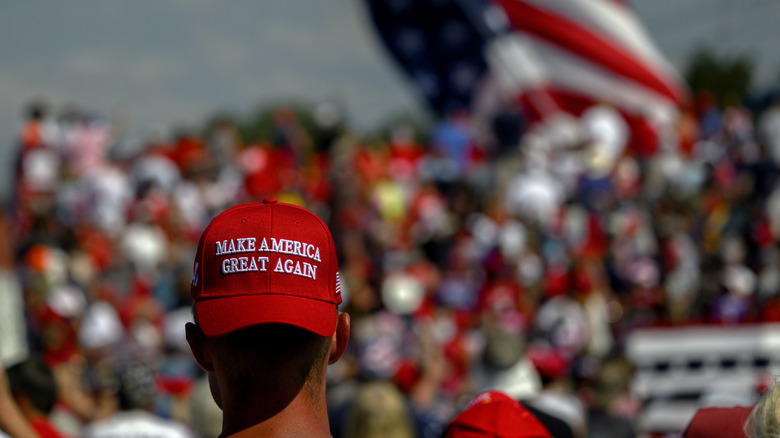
column 262, row 263
column 33, row 385
column 135, row 385
column 266, row 290
column 493, row 414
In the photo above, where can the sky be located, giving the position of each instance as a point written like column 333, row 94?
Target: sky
column 164, row 64
column 728, row 27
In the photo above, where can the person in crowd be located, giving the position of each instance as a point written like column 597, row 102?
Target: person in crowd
column 12, row 421
column 761, row 420
column 206, row 416
column 379, row 411
column 133, row 417
column 493, row 414
column 35, row 390
column 764, row 418
column 719, row 422
column 266, row 291
column 506, row 367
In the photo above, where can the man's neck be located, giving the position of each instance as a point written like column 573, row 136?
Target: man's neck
column 301, row 417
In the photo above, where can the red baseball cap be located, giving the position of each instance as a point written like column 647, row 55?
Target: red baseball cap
column 493, row 414
column 266, row 262
column 718, row 422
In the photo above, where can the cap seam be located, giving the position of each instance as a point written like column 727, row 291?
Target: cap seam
column 273, row 233
column 255, row 294
column 331, row 257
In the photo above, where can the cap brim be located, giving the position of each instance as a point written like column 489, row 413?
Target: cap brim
column 220, row 316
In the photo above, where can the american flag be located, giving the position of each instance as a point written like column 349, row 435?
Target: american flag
column 572, row 53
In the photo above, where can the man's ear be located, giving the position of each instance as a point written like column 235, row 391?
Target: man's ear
column 339, row 340
column 199, row 346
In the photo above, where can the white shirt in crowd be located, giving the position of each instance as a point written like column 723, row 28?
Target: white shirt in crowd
column 137, row 424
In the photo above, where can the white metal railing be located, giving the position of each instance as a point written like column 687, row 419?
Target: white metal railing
column 680, row 369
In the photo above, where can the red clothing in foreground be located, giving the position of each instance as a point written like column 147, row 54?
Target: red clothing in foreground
column 44, row 429
column 714, row 422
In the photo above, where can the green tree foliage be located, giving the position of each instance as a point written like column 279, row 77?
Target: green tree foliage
column 721, row 75
column 259, row 127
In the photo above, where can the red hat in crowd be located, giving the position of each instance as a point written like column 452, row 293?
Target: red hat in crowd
column 493, row 414
column 718, row 422
column 266, row 262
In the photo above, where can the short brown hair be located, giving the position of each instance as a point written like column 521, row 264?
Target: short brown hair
column 261, row 357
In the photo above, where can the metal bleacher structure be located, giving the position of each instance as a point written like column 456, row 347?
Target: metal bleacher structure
column 679, row 370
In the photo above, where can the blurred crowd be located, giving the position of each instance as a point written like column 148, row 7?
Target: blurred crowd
column 477, row 254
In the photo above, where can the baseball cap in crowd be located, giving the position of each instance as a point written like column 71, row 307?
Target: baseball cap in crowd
column 266, row 262
column 493, row 414
column 718, row 422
